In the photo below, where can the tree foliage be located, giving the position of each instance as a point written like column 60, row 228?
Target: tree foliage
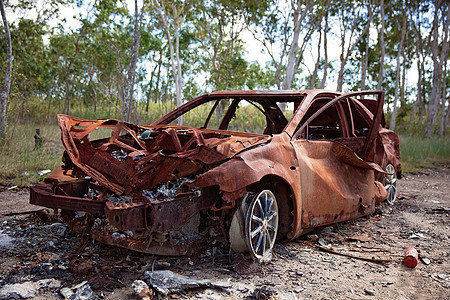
column 168, row 51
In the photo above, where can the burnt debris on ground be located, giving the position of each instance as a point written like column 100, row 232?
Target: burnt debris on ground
column 42, row 257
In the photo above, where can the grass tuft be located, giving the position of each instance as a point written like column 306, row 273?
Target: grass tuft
column 419, row 152
column 19, row 161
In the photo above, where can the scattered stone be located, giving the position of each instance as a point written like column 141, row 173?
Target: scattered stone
column 167, row 282
column 263, row 294
column 313, row 237
column 66, row 292
column 82, row 292
column 442, row 278
column 369, row 292
column 27, row 289
column 425, row 260
column 142, row 290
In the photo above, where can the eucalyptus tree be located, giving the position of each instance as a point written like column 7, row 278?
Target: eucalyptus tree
column 417, row 21
column 354, row 22
column 381, row 45
column 440, row 51
column 171, row 15
column 5, row 90
column 322, row 13
column 279, row 31
column 127, row 100
column 219, row 25
column 404, row 17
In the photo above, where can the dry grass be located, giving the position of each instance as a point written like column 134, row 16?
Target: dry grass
column 419, row 152
column 20, row 162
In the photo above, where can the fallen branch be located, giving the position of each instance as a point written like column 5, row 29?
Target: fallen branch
column 373, row 260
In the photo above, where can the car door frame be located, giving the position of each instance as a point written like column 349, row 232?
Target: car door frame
column 360, row 195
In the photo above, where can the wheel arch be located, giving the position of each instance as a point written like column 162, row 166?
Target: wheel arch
column 285, row 199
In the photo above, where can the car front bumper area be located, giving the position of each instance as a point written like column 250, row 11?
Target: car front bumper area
column 141, row 226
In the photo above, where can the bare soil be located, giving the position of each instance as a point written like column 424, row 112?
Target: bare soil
column 32, row 247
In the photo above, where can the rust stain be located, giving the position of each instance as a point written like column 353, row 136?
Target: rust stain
column 326, row 164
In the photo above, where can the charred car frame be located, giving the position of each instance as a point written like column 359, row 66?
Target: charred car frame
column 324, row 158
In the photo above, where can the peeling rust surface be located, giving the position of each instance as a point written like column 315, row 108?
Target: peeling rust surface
column 146, row 187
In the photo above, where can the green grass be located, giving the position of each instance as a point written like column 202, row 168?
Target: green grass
column 419, row 152
column 20, row 162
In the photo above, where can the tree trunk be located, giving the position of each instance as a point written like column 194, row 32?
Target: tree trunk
column 442, row 126
column 127, row 101
column 292, row 58
column 150, row 91
column 158, row 79
column 364, row 63
column 418, row 102
column 402, row 90
column 433, row 105
column 5, row 91
column 382, row 48
column 312, row 81
column 69, row 67
column 325, row 49
column 397, row 74
column 174, row 49
column 345, row 53
column 446, row 118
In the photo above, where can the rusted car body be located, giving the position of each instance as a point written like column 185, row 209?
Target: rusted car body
column 161, row 188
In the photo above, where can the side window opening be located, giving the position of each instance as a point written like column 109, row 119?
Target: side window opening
column 325, row 126
column 360, row 126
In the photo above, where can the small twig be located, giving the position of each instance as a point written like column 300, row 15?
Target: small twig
column 153, row 264
column 21, row 213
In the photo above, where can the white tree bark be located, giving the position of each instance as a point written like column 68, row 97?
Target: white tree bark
column 5, row 91
column 438, row 61
column 418, row 104
column 174, row 47
column 325, row 47
column 292, row 65
column 397, row 76
column 382, row 47
column 364, row 63
column 128, row 99
column 312, row 81
column 346, row 52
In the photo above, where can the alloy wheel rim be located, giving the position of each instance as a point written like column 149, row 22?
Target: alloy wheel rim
column 262, row 224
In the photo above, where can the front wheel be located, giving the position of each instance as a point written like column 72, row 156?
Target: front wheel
column 260, row 216
column 262, row 225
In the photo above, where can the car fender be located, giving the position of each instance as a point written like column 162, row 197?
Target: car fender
column 275, row 158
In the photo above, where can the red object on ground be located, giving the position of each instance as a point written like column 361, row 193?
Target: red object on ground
column 411, row 257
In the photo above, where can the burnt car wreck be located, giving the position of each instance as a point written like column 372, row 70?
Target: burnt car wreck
column 325, row 158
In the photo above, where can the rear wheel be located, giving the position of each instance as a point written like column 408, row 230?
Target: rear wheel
column 390, row 183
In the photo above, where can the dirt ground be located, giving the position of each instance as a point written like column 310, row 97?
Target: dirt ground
column 33, row 247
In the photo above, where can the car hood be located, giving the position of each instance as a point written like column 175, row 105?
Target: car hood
column 131, row 158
